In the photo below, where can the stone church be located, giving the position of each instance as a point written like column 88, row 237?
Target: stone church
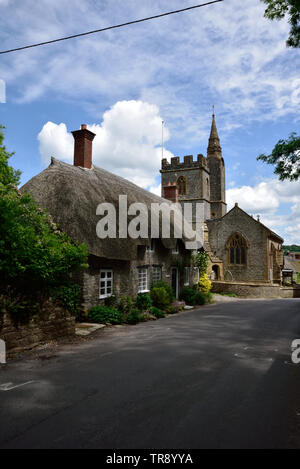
column 240, row 248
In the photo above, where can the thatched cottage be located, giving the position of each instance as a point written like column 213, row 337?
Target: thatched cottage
column 120, row 266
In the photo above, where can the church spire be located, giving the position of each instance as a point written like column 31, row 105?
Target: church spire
column 214, row 146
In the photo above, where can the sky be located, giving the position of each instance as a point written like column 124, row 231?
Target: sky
column 123, row 83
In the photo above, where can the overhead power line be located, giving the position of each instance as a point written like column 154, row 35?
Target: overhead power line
column 110, row 27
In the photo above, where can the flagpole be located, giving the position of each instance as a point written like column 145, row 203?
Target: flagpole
column 162, row 139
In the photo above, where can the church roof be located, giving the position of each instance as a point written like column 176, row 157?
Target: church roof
column 236, row 207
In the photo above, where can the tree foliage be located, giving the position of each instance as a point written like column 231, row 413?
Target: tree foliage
column 285, row 157
column 8, row 175
column 278, row 9
column 200, row 260
column 34, row 253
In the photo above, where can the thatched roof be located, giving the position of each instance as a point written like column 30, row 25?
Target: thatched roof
column 71, row 195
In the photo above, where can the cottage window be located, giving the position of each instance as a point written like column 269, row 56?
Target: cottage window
column 186, row 276
column 106, row 283
column 151, row 248
column 156, row 274
column 237, row 250
column 143, row 280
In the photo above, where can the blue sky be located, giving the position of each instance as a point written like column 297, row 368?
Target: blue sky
column 122, row 83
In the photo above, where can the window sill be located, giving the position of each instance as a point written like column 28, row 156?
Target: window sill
column 102, row 297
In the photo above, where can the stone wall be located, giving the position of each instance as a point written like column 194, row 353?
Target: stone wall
column 256, row 290
column 53, row 322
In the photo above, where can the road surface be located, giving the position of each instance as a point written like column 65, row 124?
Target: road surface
column 217, row 377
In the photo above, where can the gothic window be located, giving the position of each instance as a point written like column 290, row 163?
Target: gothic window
column 181, row 184
column 237, row 250
column 207, row 188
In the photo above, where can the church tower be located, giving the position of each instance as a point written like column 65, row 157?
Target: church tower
column 217, row 173
column 191, row 179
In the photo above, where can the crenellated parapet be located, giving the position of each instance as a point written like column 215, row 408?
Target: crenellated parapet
column 187, row 163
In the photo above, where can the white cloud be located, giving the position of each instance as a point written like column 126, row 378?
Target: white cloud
column 127, row 142
column 55, row 141
column 156, row 190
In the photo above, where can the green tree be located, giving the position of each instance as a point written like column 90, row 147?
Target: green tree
column 8, row 175
column 34, row 253
column 285, row 157
column 278, row 9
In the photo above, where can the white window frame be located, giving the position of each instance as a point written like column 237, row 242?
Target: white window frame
column 105, row 280
column 187, row 272
column 151, row 248
column 143, row 285
column 156, row 268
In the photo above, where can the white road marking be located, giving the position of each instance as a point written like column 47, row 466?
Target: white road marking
column 10, row 386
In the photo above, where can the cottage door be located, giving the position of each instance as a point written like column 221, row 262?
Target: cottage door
column 175, row 281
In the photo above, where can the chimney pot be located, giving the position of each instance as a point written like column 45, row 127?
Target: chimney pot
column 83, row 146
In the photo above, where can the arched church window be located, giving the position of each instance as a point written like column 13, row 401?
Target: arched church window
column 207, row 188
column 237, row 250
column 181, row 184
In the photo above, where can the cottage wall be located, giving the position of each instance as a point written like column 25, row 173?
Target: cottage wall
column 125, row 274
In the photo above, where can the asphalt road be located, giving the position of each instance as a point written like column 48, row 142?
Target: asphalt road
column 217, row 377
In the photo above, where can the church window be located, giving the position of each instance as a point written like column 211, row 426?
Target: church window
column 237, row 250
column 181, row 184
column 207, row 188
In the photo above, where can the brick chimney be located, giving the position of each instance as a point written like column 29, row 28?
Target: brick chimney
column 83, row 146
column 170, row 192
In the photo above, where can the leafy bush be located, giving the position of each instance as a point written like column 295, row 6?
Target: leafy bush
column 204, row 284
column 111, row 301
column 188, row 295
column 167, row 287
column 158, row 313
column 209, row 297
column 105, row 314
column 143, row 301
column 125, row 304
column 193, row 297
column 32, row 249
column 135, row 316
column 171, row 310
column 19, row 307
column 160, row 297
column 199, row 298
column 69, row 296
